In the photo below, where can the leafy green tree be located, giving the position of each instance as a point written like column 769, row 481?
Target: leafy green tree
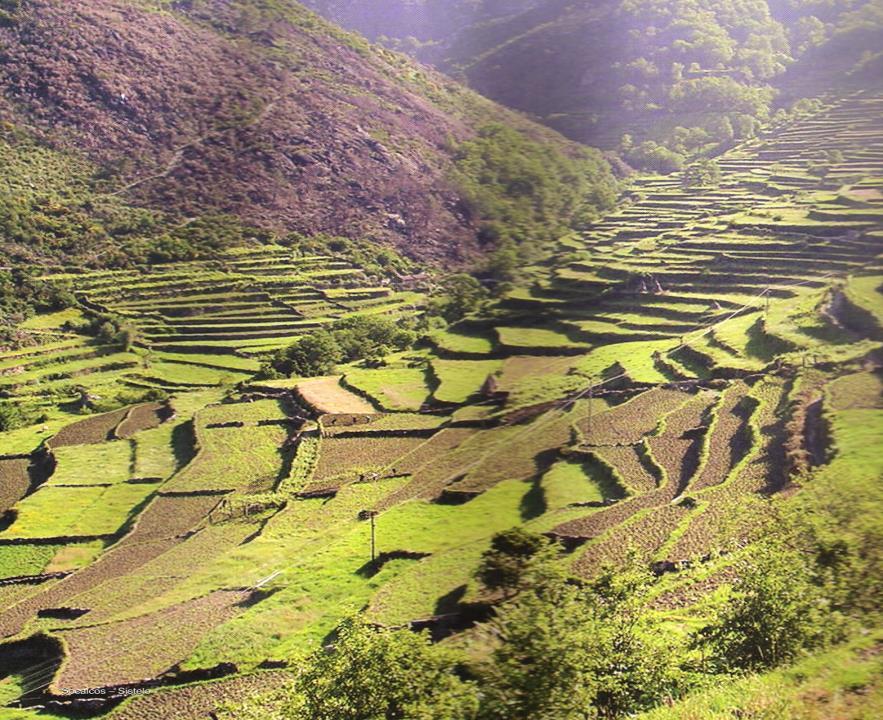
column 126, row 337
column 526, row 192
column 503, row 263
column 808, row 32
column 457, row 296
column 107, row 332
column 512, row 553
column 723, row 94
column 357, row 338
column 652, row 156
column 363, row 337
column 12, row 416
column 311, row 355
column 572, row 653
column 702, row 173
column 775, row 612
column 371, row 674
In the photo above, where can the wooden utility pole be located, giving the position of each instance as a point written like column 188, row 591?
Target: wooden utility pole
column 371, row 515
column 589, row 408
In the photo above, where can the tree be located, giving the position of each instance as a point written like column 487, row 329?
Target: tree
column 458, row 296
column 372, row 674
column 503, row 264
column 107, row 332
column 363, row 337
column 652, row 156
column 512, row 553
column 702, row 173
column 774, row 613
column 350, row 339
column 311, row 355
column 808, row 32
column 518, row 190
column 126, row 337
column 572, row 653
column 12, row 416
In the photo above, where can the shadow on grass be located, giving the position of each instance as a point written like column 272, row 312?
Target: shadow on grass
column 183, row 443
column 762, row 345
column 533, row 503
column 372, row 567
column 450, row 602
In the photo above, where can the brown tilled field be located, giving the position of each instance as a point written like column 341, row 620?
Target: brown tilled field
column 144, row 647
column 95, row 429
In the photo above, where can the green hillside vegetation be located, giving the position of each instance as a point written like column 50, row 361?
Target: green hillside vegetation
column 726, row 366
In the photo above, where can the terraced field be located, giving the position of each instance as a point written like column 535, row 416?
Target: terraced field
column 249, row 300
column 698, row 350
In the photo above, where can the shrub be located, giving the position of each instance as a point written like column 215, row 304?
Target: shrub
column 526, row 191
column 13, row 415
column 363, row 337
column 350, row 339
column 571, row 652
column 310, row 355
column 22, row 294
column 456, row 297
column 372, row 673
column 776, row 612
column 703, row 173
column 652, row 156
column 512, row 553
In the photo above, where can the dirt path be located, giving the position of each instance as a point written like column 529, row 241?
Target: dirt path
column 178, row 153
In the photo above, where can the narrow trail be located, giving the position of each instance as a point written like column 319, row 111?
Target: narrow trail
column 178, row 153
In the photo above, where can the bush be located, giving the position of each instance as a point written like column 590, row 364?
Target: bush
column 13, row 416
column 347, row 340
column 456, row 297
column 722, row 94
column 703, row 173
column 652, row 156
column 775, row 612
column 506, row 565
column 527, row 192
column 23, row 294
column 364, row 337
column 311, row 355
column 570, row 652
column 371, row 673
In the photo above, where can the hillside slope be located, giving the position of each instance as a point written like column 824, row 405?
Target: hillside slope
column 598, row 70
column 259, row 111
